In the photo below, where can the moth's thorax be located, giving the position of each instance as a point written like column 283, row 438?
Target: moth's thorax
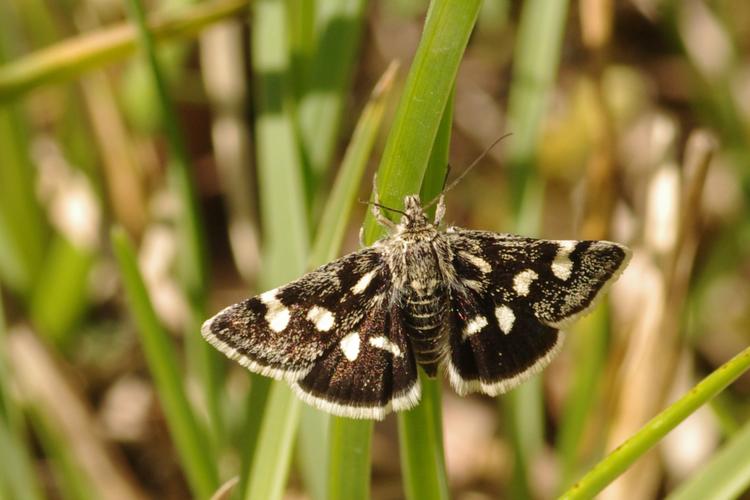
column 417, row 256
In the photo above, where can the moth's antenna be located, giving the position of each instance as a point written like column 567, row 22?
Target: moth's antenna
column 367, row 202
column 468, row 169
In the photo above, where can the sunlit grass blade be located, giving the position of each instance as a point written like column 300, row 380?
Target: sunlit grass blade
column 725, row 476
column 21, row 226
column 285, row 229
column 420, row 430
column 536, row 58
column 349, row 463
column 59, row 300
column 74, row 56
column 190, row 440
column 655, row 429
column 313, row 451
column 270, row 466
column 338, row 26
column 447, row 29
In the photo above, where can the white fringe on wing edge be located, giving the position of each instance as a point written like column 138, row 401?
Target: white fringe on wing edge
column 405, row 400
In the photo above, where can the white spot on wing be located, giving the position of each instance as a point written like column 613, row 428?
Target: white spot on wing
column 475, row 325
column 562, row 266
column 322, row 317
column 479, row 262
column 522, row 281
column 278, row 319
column 505, row 318
column 277, row 316
column 350, row 346
column 363, row 283
column 385, row 344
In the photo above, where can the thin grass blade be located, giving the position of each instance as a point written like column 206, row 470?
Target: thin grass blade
column 190, row 440
column 339, row 27
column 447, row 29
column 655, row 429
column 17, row 478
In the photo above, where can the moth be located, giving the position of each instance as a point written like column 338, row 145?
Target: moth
column 487, row 309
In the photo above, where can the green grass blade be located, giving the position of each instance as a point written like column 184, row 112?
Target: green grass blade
column 59, row 300
column 69, row 478
column 349, row 464
column 590, row 348
column 285, row 230
column 447, row 29
column 17, row 479
column 535, row 61
column 21, row 227
column 74, row 56
column 339, row 26
column 190, row 440
column 280, row 180
column 270, row 466
column 313, row 444
column 725, row 476
column 420, row 430
column 655, row 429
column 536, row 58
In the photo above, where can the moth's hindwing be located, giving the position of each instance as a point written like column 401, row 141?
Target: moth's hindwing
column 511, row 297
column 329, row 333
column 371, row 372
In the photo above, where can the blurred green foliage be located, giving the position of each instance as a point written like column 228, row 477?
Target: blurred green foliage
column 629, row 119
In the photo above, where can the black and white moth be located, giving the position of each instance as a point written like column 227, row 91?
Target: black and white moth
column 485, row 308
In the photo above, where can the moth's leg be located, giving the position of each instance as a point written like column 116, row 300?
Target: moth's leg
column 440, row 210
column 376, row 211
column 362, row 236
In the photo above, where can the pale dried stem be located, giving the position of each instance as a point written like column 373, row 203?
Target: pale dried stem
column 123, row 178
column 223, row 71
column 652, row 351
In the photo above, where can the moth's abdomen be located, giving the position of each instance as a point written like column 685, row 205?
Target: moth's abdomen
column 425, row 318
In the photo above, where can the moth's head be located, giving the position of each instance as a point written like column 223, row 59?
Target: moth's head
column 414, row 216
